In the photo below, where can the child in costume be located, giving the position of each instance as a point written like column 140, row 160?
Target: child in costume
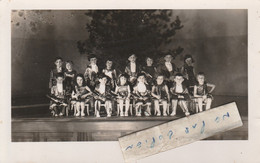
column 110, row 72
column 123, row 91
column 132, row 69
column 91, row 72
column 141, row 94
column 81, row 95
column 149, row 70
column 102, row 94
column 201, row 93
column 58, row 69
column 188, row 72
column 160, row 92
column 179, row 94
column 58, row 96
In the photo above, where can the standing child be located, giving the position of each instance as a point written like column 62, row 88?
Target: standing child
column 161, row 94
column 142, row 95
column 123, row 92
column 179, row 95
column 58, row 96
column 188, row 72
column 81, row 95
column 168, row 69
column 91, row 72
column 103, row 94
column 132, row 69
column 201, row 92
column 110, row 72
column 69, row 81
column 54, row 72
column 149, row 70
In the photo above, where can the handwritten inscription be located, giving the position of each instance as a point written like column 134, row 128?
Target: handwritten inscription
column 179, row 132
column 169, row 135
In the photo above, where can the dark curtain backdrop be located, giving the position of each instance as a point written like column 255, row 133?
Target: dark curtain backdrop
column 216, row 38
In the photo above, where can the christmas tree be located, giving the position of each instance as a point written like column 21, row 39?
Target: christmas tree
column 118, row 33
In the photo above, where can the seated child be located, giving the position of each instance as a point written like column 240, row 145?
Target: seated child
column 201, row 92
column 58, row 96
column 102, row 93
column 149, row 70
column 142, row 95
column 132, row 69
column 81, row 95
column 54, row 72
column 161, row 94
column 123, row 91
column 91, row 72
column 110, row 72
column 179, row 94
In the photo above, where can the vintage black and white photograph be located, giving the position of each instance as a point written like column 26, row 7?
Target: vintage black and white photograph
column 97, row 75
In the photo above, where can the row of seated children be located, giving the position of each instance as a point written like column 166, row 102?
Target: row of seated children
column 177, row 94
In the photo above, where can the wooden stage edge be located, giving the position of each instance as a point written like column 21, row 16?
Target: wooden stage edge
column 97, row 129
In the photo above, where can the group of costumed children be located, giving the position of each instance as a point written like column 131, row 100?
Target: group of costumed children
column 140, row 87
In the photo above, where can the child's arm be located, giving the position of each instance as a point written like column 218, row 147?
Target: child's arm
column 153, row 94
column 212, row 87
column 167, row 92
column 129, row 92
column 51, row 79
column 88, row 94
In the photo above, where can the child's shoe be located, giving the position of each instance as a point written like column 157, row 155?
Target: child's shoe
column 77, row 114
column 164, row 114
column 173, row 114
column 108, row 115
column 138, row 114
column 121, row 114
column 97, row 114
column 82, row 114
column 126, row 114
column 61, row 114
column 146, row 114
column 187, row 113
column 56, row 115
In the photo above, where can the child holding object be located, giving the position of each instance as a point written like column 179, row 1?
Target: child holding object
column 123, row 91
column 201, row 93
column 160, row 92
column 58, row 96
column 81, row 95
column 142, row 95
column 102, row 94
column 179, row 94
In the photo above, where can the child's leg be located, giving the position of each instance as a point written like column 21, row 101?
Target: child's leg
column 127, row 104
column 108, row 106
column 164, row 103
column 184, row 107
column 200, row 101
column 174, row 107
column 78, row 108
column 82, row 105
column 121, row 107
column 97, row 108
column 63, row 110
column 138, row 108
column 148, row 108
column 157, row 107
column 208, row 103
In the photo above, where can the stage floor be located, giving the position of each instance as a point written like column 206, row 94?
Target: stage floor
column 36, row 124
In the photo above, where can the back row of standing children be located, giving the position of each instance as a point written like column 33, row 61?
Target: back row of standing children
column 163, row 85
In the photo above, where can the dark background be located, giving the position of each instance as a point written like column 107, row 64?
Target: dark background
column 217, row 39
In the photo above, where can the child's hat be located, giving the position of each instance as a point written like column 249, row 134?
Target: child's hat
column 92, row 56
column 102, row 75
